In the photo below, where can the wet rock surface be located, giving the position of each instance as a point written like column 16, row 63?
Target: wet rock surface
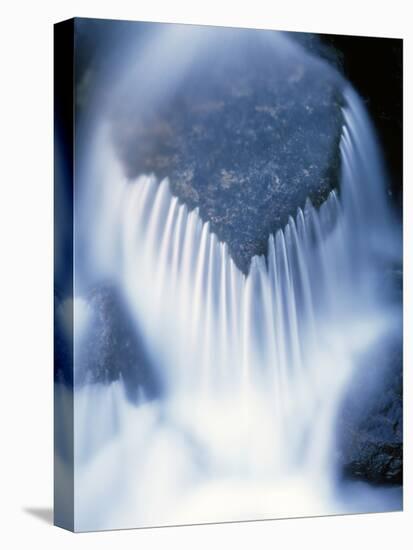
column 111, row 348
column 250, row 131
column 370, row 425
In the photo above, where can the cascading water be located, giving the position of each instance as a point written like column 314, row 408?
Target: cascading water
column 254, row 366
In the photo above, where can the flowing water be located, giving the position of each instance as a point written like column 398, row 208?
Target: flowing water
column 254, row 366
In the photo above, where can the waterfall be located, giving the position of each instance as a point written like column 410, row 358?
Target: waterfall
column 254, row 365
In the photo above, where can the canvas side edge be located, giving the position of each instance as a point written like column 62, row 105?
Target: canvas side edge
column 63, row 275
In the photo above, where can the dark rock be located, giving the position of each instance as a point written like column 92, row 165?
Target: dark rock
column 111, row 348
column 370, row 425
column 63, row 342
column 247, row 133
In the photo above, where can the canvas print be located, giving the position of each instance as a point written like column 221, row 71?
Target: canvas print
column 228, row 274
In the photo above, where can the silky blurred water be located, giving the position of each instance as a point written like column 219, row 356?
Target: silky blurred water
column 255, row 367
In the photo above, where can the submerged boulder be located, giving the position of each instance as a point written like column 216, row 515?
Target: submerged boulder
column 370, row 425
column 245, row 124
column 111, row 349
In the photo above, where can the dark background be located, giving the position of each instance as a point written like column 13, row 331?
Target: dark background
column 375, row 68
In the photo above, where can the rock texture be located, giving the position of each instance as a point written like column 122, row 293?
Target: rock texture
column 248, row 132
column 111, row 348
column 370, row 426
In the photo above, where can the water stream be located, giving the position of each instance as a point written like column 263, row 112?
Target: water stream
column 254, row 366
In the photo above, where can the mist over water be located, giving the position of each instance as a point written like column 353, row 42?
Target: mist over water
column 254, row 367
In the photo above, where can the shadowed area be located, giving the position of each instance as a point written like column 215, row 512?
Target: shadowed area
column 43, row 514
